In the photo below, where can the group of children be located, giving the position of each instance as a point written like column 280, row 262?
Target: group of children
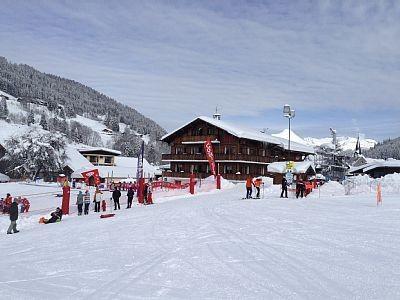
column 5, row 204
column 249, row 187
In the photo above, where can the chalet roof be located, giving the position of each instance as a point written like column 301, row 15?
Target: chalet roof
column 246, row 133
column 99, row 150
column 390, row 163
column 299, row 167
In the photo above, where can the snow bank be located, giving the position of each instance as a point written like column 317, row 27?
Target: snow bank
column 329, row 189
column 363, row 184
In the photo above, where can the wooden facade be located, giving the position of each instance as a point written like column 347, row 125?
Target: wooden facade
column 236, row 157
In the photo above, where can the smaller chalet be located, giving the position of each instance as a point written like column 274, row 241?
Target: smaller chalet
column 238, row 152
column 303, row 169
column 376, row 168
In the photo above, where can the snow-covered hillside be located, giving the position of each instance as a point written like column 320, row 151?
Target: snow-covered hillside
column 346, row 143
column 211, row 246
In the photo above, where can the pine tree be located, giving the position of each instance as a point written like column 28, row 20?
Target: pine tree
column 31, row 118
column 3, row 109
column 43, row 122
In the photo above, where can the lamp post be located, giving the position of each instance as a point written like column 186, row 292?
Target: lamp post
column 290, row 114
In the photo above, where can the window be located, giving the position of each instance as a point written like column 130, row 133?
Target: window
column 228, row 169
column 200, row 131
column 93, row 159
column 199, row 150
column 210, row 131
column 178, row 150
column 108, row 160
column 179, row 168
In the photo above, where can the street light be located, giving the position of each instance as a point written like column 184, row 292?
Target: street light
column 290, row 114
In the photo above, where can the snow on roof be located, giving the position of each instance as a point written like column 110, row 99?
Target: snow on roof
column 88, row 149
column 125, row 167
column 390, row 163
column 75, row 160
column 245, row 133
column 4, row 177
column 299, row 167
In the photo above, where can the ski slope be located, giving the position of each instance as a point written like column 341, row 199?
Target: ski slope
column 212, row 246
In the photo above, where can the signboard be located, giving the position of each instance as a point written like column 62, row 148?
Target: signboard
column 208, row 149
column 290, row 165
column 289, row 177
column 93, row 173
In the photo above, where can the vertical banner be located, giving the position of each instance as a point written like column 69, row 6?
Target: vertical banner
column 95, row 173
column 139, row 170
column 210, row 155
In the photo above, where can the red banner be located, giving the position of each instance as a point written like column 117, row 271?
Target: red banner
column 95, row 173
column 210, row 155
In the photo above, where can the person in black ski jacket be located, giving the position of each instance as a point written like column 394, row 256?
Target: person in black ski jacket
column 130, row 195
column 13, row 217
column 56, row 216
column 284, row 187
column 116, row 195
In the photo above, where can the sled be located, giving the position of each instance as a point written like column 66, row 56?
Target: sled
column 106, row 216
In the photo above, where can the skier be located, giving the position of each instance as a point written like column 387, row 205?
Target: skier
column 13, row 217
column 249, row 187
column 116, row 195
column 79, row 202
column 257, row 184
column 97, row 199
column 284, row 187
column 86, row 201
column 130, row 195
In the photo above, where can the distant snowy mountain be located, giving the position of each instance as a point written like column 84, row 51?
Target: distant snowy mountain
column 345, row 142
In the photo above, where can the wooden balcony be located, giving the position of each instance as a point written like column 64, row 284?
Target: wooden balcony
column 186, row 175
column 218, row 157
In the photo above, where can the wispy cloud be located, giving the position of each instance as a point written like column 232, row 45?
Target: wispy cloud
column 174, row 60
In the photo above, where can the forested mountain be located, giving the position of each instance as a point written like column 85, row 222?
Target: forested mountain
column 386, row 149
column 74, row 99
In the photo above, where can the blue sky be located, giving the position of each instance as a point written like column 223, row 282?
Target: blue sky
column 337, row 63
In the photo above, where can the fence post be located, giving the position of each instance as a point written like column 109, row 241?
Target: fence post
column 191, row 183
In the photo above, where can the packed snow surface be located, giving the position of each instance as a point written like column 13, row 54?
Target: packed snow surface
column 212, row 245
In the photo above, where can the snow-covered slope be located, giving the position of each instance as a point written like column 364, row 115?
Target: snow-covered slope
column 210, row 246
column 345, row 142
column 293, row 136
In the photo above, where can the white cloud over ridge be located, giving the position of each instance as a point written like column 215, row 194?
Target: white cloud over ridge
column 178, row 59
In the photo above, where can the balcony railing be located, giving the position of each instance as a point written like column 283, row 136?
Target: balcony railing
column 228, row 157
column 186, row 175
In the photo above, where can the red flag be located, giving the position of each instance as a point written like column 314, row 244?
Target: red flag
column 95, row 173
column 210, row 155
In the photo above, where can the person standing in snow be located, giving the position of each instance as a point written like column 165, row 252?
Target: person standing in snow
column 257, row 184
column 79, row 202
column 249, row 187
column 7, row 203
column 13, row 217
column 98, row 195
column 116, row 195
column 284, row 187
column 300, row 187
column 86, row 201
column 130, row 195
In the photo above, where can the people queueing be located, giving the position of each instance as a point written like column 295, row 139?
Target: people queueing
column 116, row 194
column 130, row 195
column 284, row 187
column 79, row 202
column 56, row 216
column 13, row 210
column 300, row 187
column 257, row 185
column 86, row 202
column 249, row 187
column 98, row 197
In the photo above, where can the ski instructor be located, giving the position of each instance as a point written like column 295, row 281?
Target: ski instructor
column 13, row 217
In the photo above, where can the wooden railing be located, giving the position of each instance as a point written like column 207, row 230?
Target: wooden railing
column 230, row 157
column 203, row 175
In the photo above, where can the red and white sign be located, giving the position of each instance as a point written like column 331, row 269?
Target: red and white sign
column 93, row 173
column 210, row 155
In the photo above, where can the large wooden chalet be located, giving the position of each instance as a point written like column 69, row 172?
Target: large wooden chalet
column 238, row 152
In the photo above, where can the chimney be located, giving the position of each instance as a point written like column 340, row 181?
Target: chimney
column 216, row 115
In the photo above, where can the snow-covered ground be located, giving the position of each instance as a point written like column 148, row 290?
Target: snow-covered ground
column 212, row 245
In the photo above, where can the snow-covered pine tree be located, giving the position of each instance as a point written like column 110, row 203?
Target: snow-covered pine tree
column 43, row 122
column 3, row 109
column 31, row 118
column 35, row 152
column 114, row 124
